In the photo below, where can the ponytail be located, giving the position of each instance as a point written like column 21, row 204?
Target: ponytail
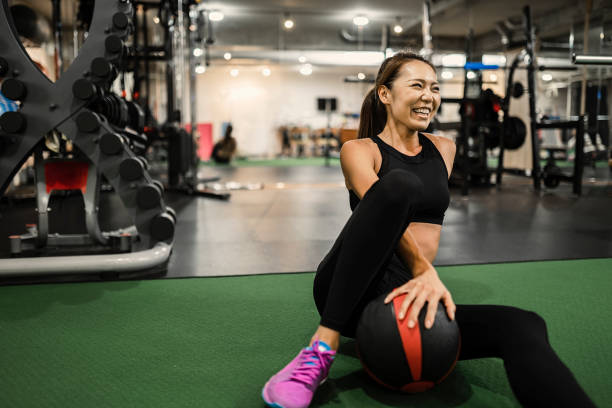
column 373, row 117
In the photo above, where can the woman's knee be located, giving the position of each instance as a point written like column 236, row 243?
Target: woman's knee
column 400, row 186
column 524, row 326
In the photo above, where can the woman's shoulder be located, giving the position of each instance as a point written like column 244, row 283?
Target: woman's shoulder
column 444, row 144
column 358, row 146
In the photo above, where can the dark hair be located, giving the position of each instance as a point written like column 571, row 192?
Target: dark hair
column 373, row 116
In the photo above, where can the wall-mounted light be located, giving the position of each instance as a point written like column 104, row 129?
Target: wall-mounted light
column 360, row 20
column 302, row 59
column 547, row 77
column 234, row 72
column 493, row 77
column 200, row 69
column 306, row 69
column 197, row 52
column 227, row 56
column 471, row 75
column 361, row 76
column 447, row 75
column 156, row 20
column 215, row 15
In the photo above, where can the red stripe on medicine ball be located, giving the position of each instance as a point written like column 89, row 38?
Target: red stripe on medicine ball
column 411, row 340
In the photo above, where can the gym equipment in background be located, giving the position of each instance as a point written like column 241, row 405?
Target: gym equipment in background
column 106, row 134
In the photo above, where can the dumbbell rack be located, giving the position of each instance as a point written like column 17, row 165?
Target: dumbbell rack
column 65, row 106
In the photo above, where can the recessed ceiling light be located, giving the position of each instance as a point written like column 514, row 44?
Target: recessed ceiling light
column 227, row 56
column 302, row 59
column 266, row 71
column 361, row 76
column 360, row 20
column 234, row 72
column 197, row 52
column 215, row 15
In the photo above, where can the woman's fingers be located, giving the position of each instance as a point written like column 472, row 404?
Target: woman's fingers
column 410, row 296
column 450, row 305
column 432, row 308
column 405, row 288
column 417, row 305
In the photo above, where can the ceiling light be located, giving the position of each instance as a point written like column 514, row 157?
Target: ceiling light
column 546, row 77
column 234, row 72
column 302, row 59
column 288, row 23
column 361, row 76
column 306, row 69
column 266, row 71
column 493, row 77
column 397, row 28
column 447, row 75
column 200, row 69
column 227, row 56
column 215, row 15
column 471, row 75
column 197, row 52
column 360, row 20
column 156, row 20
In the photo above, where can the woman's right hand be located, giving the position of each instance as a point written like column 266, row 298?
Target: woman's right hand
column 426, row 287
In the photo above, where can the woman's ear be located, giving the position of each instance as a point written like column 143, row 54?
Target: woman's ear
column 384, row 95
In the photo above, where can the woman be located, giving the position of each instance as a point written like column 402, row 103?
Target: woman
column 397, row 179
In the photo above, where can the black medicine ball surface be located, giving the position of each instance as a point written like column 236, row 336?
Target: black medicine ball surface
column 404, row 359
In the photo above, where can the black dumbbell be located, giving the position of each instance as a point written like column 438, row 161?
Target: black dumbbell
column 84, row 89
column 14, row 89
column 88, row 122
column 12, row 122
column 162, row 227
column 111, row 143
column 131, row 169
column 113, row 44
column 149, row 196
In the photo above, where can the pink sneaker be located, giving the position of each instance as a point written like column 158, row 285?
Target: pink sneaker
column 294, row 385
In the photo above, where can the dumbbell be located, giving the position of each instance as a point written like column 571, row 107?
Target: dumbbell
column 149, row 195
column 133, row 168
column 162, row 226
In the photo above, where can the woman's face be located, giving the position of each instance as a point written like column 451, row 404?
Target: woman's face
column 414, row 97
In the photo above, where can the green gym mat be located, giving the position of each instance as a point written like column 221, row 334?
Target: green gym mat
column 213, row 342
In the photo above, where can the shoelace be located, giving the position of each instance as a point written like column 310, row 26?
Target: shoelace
column 311, row 364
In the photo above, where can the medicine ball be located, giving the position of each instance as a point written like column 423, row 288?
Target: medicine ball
column 404, row 359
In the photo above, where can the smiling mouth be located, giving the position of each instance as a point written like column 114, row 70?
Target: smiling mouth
column 422, row 112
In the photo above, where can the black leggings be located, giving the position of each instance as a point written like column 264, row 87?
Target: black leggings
column 357, row 269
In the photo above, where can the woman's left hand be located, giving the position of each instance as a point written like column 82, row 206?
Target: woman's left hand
column 426, row 287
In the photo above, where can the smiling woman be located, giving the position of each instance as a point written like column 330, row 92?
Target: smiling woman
column 397, row 178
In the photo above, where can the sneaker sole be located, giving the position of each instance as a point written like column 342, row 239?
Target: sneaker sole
column 268, row 403
column 274, row 404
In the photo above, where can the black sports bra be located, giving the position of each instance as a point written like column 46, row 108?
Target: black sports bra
column 429, row 167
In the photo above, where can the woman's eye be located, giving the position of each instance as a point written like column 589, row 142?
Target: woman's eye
column 417, row 85
column 436, row 89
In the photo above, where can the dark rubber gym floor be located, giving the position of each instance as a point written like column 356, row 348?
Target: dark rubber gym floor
column 288, row 227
